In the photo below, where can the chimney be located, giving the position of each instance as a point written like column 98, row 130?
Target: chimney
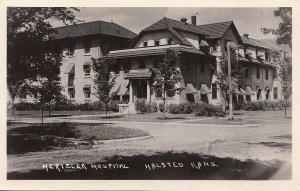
column 194, row 20
column 246, row 35
column 183, row 20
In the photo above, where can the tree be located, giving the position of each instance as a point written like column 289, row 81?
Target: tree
column 104, row 80
column 166, row 77
column 47, row 91
column 31, row 53
column 237, row 71
column 284, row 36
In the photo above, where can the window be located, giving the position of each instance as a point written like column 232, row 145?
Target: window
column 156, row 43
column 126, row 67
column 71, row 93
column 214, row 91
column 23, row 96
column 142, row 64
column 275, row 93
column 170, row 41
column 145, row 44
column 158, row 94
column 87, row 69
column 188, row 66
column 247, row 72
column 87, row 91
column 258, row 92
column 202, row 68
column 87, row 46
column 35, row 96
column 257, row 73
column 267, row 74
column 117, row 68
column 71, row 48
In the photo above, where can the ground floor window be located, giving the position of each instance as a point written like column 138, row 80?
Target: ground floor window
column 190, row 98
column 204, row 98
column 248, row 98
column 214, row 91
column 267, row 93
column 258, row 93
column 71, row 93
column 275, row 93
column 87, row 92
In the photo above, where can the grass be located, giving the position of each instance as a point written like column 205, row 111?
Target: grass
column 38, row 114
column 146, row 117
column 31, row 138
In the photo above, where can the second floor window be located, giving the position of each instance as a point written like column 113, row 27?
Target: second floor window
column 87, row 69
column 246, row 72
column 87, row 46
column 170, row 41
column 126, row 67
column 267, row 74
column 156, row 43
column 142, row 64
column 71, row 48
column 202, row 68
column 257, row 73
column 145, row 44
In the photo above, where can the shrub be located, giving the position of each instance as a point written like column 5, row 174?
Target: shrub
column 161, row 107
column 183, row 108
column 25, row 106
column 151, row 107
column 204, row 109
column 114, row 105
column 140, row 105
column 263, row 106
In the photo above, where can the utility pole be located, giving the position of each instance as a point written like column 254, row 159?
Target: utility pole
column 229, row 83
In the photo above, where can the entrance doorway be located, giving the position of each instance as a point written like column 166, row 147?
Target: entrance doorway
column 141, row 89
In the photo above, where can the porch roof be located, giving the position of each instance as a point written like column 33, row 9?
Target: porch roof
column 249, row 91
column 155, row 50
column 204, row 89
column 189, row 89
column 138, row 75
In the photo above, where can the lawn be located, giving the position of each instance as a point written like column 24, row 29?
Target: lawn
column 35, row 137
column 146, row 117
column 38, row 114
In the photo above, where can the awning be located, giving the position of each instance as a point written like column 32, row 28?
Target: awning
column 236, row 91
column 86, row 86
column 203, row 43
column 204, row 89
column 189, row 89
column 70, row 69
column 138, row 75
column 87, row 65
column 149, row 51
column 242, row 91
column 249, row 91
column 123, row 89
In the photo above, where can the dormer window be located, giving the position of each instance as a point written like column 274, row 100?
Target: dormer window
column 87, row 46
column 87, row 69
column 156, row 43
column 71, row 48
column 142, row 64
column 145, row 44
column 170, row 41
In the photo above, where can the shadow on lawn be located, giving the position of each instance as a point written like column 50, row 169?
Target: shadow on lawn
column 212, row 168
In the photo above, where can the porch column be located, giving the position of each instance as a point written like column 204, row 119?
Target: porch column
column 130, row 92
column 148, row 91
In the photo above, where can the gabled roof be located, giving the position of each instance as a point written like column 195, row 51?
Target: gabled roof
column 215, row 30
column 218, row 30
column 181, row 38
column 94, row 27
column 257, row 43
column 166, row 23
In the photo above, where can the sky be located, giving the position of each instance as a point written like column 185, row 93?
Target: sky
column 247, row 20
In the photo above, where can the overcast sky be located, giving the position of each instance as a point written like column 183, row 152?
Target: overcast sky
column 247, row 20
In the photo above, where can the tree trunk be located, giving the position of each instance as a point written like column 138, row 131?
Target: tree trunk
column 13, row 107
column 285, row 106
column 106, row 110
column 49, row 109
column 42, row 115
column 164, row 108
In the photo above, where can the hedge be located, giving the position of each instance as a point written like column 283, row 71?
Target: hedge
column 143, row 107
column 264, row 106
